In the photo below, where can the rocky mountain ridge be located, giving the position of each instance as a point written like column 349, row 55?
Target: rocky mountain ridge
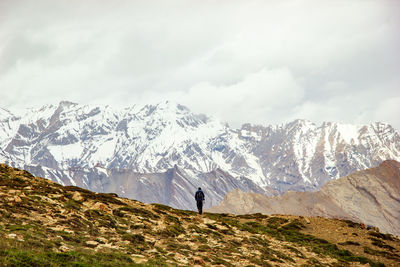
column 371, row 197
column 166, row 149
column 45, row 224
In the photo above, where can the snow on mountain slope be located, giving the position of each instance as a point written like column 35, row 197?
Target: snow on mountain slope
column 303, row 156
column 8, row 126
column 86, row 145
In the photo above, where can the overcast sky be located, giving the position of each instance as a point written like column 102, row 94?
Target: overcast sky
column 241, row 61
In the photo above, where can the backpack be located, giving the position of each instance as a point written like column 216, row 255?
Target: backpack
column 199, row 196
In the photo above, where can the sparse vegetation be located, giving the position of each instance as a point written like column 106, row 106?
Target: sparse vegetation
column 19, row 257
column 51, row 225
column 349, row 243
column 381, row 236
column 72, row 204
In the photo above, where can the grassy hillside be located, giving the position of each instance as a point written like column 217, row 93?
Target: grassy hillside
column 44, row 223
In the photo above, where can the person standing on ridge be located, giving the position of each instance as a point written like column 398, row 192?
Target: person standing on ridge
column 199, row 196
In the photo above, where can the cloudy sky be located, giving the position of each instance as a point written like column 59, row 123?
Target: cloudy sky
column 267, row 61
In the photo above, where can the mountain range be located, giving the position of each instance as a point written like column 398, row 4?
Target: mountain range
column 370, row 196
column 162, row 153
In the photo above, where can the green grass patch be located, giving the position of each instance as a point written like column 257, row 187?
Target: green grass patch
column 161, row 207
column 72, row 188
column 72, row 204
column 19, row 227
column 220, row 261
column 118, row 213
column 140, row 212
column 183, row 212
column 110, row 198
column 256, row 216
column 204, row 248
column 172, row 231
column 382, row 253
column 349, row 243
column 381, row 236
column 201, row 239
column 352, row 224
column 275, row 222
column 19, row 257
column 197, row 229
column 211, row 226
column 291, row 233
column 172, row 219
column 379, row 243
column 134, row 238
column 174, row 246
column 70, row 237
column 295, row 251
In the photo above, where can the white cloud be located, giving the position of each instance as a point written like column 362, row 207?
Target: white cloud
column 258, row 98
column 258, row 61
column 388, row 111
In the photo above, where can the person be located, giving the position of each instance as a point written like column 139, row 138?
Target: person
column 199, row 196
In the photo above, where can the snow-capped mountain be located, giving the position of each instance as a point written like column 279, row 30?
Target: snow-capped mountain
column 162, row 153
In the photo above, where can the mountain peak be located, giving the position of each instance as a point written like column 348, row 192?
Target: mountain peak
column 65, row 103
column 302, row 122
column 5, row 114
column 165, row 108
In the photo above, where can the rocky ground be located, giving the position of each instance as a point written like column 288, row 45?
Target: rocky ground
column 45, row 224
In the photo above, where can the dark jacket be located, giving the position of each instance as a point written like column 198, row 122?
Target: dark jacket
column 199, row 196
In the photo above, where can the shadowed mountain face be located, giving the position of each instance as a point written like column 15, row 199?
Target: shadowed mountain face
column 371, row 196
column 126, row 150
column 45, row 224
